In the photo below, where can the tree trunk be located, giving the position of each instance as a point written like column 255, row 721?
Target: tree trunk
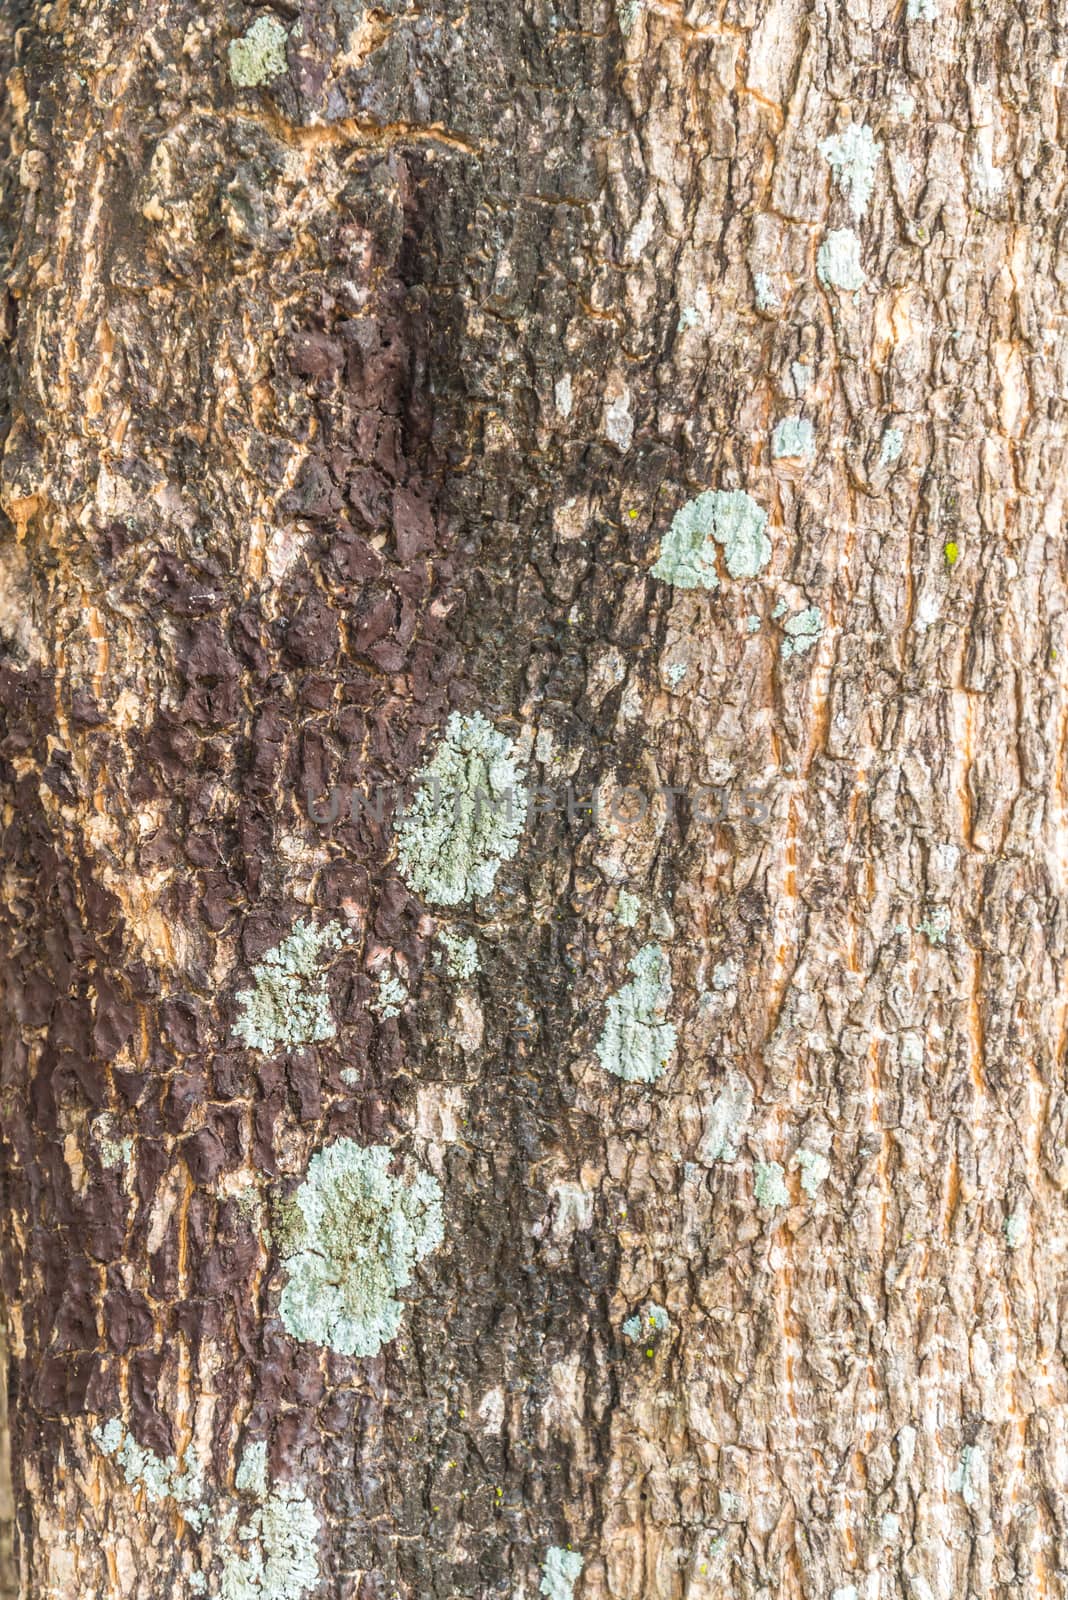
column 532, row 715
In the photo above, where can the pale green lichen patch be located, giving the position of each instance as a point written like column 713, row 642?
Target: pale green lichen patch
column 1015, row 1230
column 838, row 262
column 765, row 293
column 802, row 632
column 274, row 1553
column 628, row 909
column 460, row 952
column 560, row 1571
column 357, row 1235
column 467, row 815
column 922, row 10
column 936, row 924
column 289, row 1005
column 814, row 1169
column 794, row 439
column 114, row 1151
column 260, row 54
column 769, row 1185
column 801, row 373
column 853, row 155
column 251, row 1477
column 392, row 995
column 161, row 1478
column 892, row 443
column 969, row 1477
column 638, row 1042
column 726, row 517
column 648, row 1323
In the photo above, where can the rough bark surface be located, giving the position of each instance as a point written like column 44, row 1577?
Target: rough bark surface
column 340, row 402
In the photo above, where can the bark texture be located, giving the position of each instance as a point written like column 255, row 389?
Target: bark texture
column 344, row 400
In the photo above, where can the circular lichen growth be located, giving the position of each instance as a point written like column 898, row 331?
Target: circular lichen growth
column 260, row 54
column 354, row 1241
column 727, row 517
column 467, row 815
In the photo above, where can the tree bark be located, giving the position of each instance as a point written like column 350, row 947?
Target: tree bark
column 681, row 391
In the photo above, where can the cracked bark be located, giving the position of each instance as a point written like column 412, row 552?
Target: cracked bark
column 338, row 404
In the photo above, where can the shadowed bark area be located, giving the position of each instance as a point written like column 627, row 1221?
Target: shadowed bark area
column 368, row 375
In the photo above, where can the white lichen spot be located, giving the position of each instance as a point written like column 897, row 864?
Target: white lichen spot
column 968, row 1479
column 848, row 1591
column 988, row 179
column 726, row 973
column 802, row 632
column 467, row 815
column 726, row 517
column 563, row 395
column 627, row 909
column 814, row 1168
column 769, row 1185
column 801, row 373
column 764, row 292
column 651, row 1321
column 276, row 1553
column 726, row 1121
column 912, row 1051
column 251, row 1477
column 355, row 1236
column 618, row 422
column 936, row 924
column 838, row 262
column 260, row 54
column 352, row 1076
column 114, row 1151
column 161, row 1479
column 752, row 623
column 289, row 1005
column 675, row 673
column 638, row 1042
column 460, row 952
column 1015, row 1230
column 890, row 1527
column 892, row 445
column 794, row 439
column 572, row 1210
column 922, row 10
column 392, row 996
column 560, row 1571
column 853, row 155
column 699, row 313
